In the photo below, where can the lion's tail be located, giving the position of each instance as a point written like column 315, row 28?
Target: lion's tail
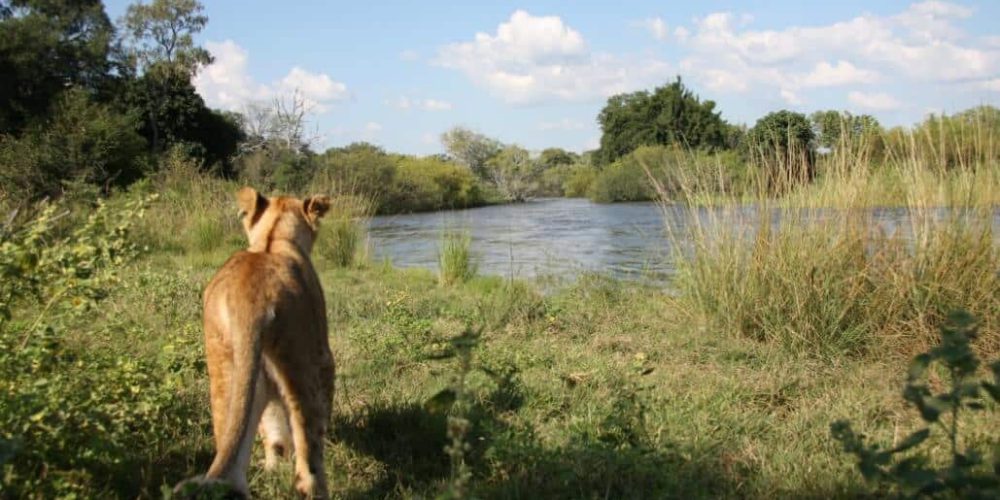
column 237, row 436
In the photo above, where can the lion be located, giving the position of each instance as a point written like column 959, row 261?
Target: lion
column 267, row 347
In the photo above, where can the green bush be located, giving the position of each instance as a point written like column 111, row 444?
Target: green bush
column 422, row 184
column 70, row 415
column 80, row 141
column 623, row 180
column 967, row 475
column 578, row 181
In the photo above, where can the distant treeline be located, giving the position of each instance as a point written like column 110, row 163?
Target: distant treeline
column 87, row 101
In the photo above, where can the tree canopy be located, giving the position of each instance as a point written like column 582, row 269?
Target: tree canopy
column 671, row 114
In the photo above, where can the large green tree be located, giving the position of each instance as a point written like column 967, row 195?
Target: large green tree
column 161, row 35
column 671, row 114
column 554, row 157
column 160, row 49
column 783, row 143
column 471, row 149
column 835, row 128
column 47, row 46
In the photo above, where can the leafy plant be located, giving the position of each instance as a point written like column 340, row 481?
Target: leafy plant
column 454, row 400
column 967, row 474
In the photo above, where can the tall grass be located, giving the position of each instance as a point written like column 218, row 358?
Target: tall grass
column 455, row 259
column 343, row 238
column 815, row 271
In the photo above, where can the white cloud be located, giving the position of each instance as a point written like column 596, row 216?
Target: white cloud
column 428, row 138
column 317, row 88
column 875, row 101
column 563, row 124
column 532, row 59
column 931, row 20
column 406, row 103
column 227, row 84
column 791, row 97
column 409, row 55
column 657, row 27
column 923, row 43
column 825, row 74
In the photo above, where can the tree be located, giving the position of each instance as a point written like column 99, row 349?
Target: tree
column 833, row 128
column 672, row 114
column 358, row 168
column 161, row 36
column 160, row 47
column 173, row 113
column 47, row 46
column 512, row 171
column 279, row 124
column 554, row 157
column 80, row 141
column 782, row 143
column 471, row 149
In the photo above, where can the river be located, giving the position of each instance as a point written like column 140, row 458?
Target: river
column 557, row 237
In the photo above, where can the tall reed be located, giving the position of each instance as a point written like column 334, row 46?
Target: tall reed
column 815, row 271
column 455, row 259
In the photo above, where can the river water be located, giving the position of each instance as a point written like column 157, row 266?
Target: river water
column 561, row 237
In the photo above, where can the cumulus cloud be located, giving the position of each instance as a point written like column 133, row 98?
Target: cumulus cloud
column 874, row 101
column 406, row 103
column 825, row 74
column 791, row 97
column 227, row 84
column 923, row 43
column 532, row 59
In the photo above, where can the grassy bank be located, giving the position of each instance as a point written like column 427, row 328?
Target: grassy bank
column 723, row 388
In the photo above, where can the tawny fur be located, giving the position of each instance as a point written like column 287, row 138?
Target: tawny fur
column 269, row 359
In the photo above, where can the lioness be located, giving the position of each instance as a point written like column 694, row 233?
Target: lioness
column 269, row 359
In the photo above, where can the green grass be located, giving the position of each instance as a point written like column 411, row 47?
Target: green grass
column 456, row 262
column 598, row 389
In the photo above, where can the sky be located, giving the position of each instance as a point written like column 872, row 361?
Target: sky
column 399, row 73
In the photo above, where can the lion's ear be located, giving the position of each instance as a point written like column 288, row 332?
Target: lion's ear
column 251, row 203
column 316, row 206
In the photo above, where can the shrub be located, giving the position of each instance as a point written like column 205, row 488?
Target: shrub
column 422, row 184
column 80, row 141
column 623, row 180
column 70, row 415
column 967, row 475
column 578, row 181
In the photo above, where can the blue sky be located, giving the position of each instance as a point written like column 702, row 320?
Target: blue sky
column 537, row 73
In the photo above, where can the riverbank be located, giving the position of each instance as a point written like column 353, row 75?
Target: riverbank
column 603, row 388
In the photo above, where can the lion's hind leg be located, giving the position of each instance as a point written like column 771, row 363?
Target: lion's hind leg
column 274, row 428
